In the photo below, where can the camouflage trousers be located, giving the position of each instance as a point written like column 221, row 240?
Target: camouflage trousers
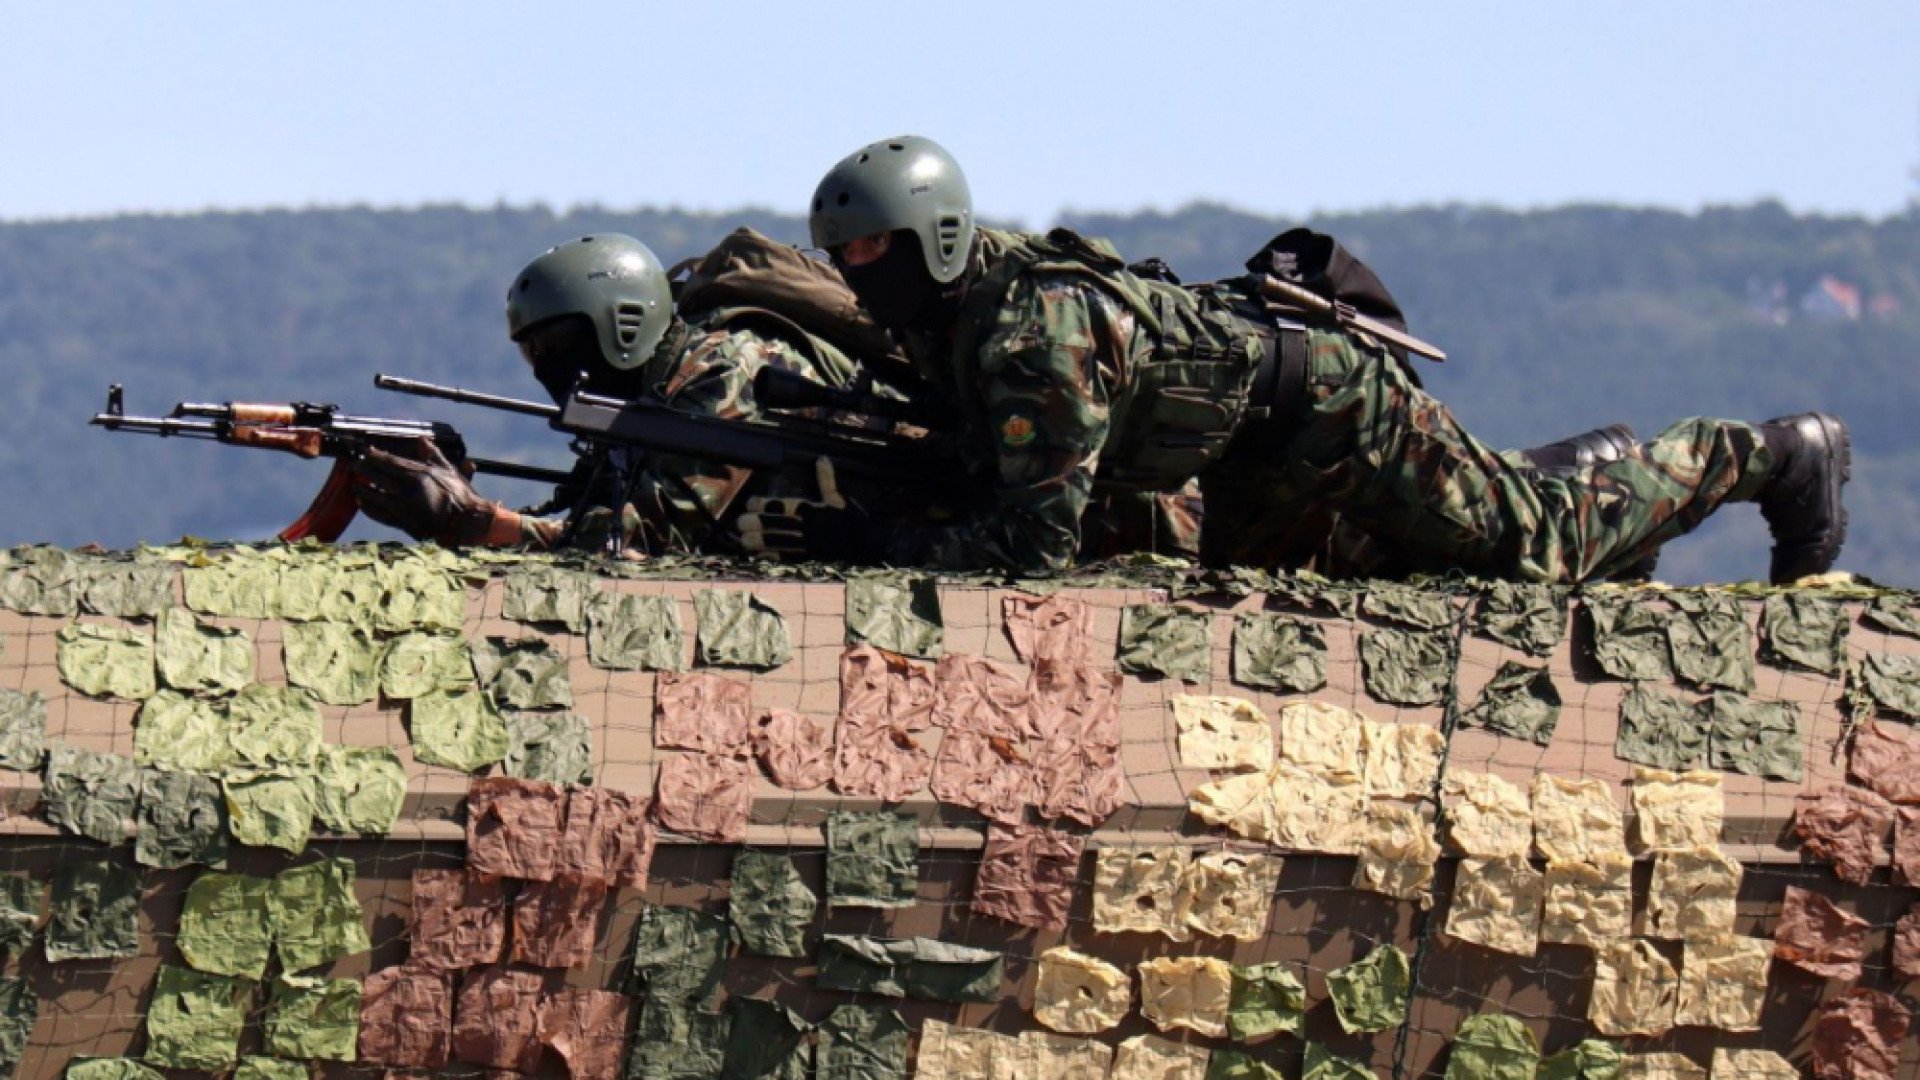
column 1371, row 451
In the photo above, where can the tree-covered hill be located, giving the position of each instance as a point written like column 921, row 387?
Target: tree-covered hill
column 1555, row 320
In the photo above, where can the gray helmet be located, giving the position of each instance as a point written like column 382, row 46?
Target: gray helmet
column 612, row 279
column 905, row 183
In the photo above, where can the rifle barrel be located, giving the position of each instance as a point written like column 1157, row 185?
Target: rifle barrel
column 465, row 397
column 516, row 471
column 159, row 425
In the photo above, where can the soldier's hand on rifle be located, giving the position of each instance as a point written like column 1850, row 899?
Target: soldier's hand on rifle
column 828, row 530
column 426, row 497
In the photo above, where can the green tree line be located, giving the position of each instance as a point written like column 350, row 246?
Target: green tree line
column 1555, row 321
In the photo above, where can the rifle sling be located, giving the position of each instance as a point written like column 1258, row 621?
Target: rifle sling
column 1280, row 382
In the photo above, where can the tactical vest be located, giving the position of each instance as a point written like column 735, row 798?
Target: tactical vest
column 1173, row 413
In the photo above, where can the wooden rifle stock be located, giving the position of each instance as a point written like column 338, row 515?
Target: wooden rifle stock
column 1288, row 295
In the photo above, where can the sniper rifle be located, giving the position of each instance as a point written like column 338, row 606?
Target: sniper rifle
column 780, row 442
column 311, row 430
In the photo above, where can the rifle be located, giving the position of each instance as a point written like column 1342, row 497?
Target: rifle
column 1287, row 295
column 310, row 430
column 782, row 390
column 781, row 443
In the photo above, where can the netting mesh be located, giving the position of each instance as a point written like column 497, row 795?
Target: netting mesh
column 1316, row 921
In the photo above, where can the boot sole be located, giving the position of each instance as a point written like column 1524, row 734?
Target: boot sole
column 1843, row 450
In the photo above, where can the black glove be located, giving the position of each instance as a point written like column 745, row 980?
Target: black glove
column 422, row 495
column 801, row 529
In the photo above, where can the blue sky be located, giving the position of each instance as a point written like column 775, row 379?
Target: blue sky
column 1282, row 108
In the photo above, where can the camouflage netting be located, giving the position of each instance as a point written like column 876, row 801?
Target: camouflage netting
column 308, row 811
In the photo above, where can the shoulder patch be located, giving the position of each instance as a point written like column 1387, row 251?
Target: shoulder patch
column 1016, row 431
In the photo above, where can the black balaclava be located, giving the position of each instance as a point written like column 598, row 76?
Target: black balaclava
column 560, row 349
column 896, row 287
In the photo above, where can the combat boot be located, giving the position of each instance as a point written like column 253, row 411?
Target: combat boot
column 1812, row 461
column 1596, row 447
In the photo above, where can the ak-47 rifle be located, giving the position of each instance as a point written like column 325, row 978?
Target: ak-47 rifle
column 781, row 442
column 310, row 430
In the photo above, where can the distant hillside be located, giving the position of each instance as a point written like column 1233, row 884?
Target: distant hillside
column 1556, row 321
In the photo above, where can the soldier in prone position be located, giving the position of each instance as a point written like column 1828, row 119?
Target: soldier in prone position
column 1071, row 374
column 603, row 307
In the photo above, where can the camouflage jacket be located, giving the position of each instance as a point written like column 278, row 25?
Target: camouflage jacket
column 1038, row 372
column 684, row 504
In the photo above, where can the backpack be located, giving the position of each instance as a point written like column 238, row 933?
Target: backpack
column 1322, row 265
column 748, row 273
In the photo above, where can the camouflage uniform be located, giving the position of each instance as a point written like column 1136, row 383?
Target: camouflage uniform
column 682, row 504
column 1039, row 374
column 1399, row 467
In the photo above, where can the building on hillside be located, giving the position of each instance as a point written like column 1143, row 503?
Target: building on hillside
column 1831, row 300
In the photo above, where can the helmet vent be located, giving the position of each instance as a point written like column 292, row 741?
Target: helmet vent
column 947, row 231
column 627, row 320
column 843, row 200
